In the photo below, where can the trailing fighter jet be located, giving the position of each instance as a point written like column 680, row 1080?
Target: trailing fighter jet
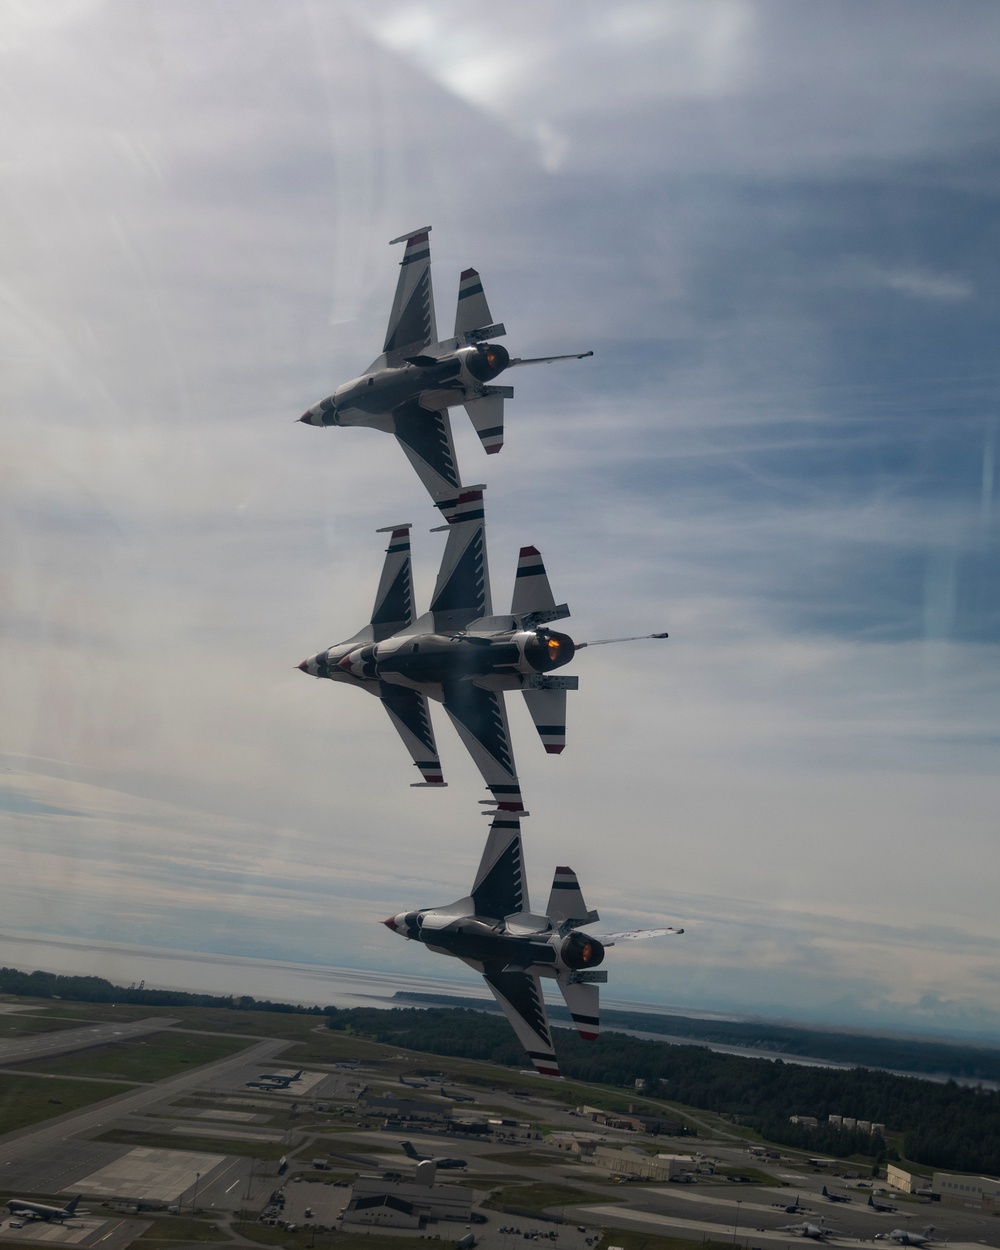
column 494, row 931
column 408, row 390
column 460, row 654
column 904, row 1237
column 41, row 1210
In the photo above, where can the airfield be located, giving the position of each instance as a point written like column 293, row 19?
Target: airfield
column 166, row 1141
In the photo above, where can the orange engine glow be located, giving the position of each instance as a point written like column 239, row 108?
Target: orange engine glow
column 554, row 647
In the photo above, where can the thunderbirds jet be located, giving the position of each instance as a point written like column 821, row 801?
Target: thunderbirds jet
column 494, row 931
column 444, row 1162
column 460, row 654
column 40, row 1211
column 818, row 1232
column 408, row 390
column 904, row 1237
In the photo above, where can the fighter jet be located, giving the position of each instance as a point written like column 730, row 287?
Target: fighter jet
column 408, row 389
column 817, row 1232
column 494, row 931
column 460, row 654
column 904, row 1237
column 42, row 1211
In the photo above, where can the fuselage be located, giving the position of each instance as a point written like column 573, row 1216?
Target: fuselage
column 440, row 379
column 483, row 941
column 433, row 659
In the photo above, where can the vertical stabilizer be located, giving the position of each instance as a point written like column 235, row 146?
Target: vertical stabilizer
column 472, row 312
column 500, row 888
column 566, row 905
column 533, row 602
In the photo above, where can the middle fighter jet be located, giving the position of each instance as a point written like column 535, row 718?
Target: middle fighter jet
column 408, row 389
column 460, row 654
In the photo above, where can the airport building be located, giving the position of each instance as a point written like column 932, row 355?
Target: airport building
column 628, row 1161
column 384, row 1202
column 906, row 1182
column 981, row 1193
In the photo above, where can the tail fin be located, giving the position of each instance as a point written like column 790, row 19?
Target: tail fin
column 583, row 1000
column 533, row 603
column 566, row 905
column 411, row 322
column 547, row 708
column 472, row 312
column 71, row 1206
column 394, row 599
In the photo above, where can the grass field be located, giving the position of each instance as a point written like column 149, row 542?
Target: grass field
column 21, row 1024
column 182, row 1228
column 26, row 1100
column 174, row 1141
column 146, row 1059
column 540, row 1197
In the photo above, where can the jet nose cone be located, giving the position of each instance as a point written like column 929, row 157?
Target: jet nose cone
column 303, row 667
column 390, row 923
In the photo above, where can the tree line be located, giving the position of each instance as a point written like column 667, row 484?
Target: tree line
column 941, row 1125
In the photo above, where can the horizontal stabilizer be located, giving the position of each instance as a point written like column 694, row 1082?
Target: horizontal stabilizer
column 566, row 905
column 583, row 1001
column 533, row 602
column 486, row 415
column 547, row 708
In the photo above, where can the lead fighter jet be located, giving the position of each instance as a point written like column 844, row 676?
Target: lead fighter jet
column 494, row 931
column 408, row 389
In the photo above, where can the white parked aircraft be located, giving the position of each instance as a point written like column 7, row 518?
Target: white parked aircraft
column 41, row 1211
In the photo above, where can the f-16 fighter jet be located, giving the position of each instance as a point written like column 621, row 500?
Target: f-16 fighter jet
column 495, row 932
column 408, row 390
column 460, row 654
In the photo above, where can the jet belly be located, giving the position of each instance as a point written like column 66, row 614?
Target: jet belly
column 437, row 659
column 478, row 941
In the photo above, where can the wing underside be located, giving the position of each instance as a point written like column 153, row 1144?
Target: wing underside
column 426, row 439
column 462, row 590
column 520, row 995
column 409, row 714
column 500, row 888
column 481, row 720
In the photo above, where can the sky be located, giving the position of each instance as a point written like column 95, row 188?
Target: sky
column 774, row 224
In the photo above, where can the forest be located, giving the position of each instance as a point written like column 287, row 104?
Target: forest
column 938, row 1124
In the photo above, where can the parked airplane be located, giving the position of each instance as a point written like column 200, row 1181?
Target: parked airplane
column 904, row 1237
column 41, row 1211
column 494, row 931
column 408, row 390
column 879, row 1206
column 793, row 1208
column 835, row 1197
column 281, row 1078
column 460, row 654
column 818, row 1232
column 444, row 1162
